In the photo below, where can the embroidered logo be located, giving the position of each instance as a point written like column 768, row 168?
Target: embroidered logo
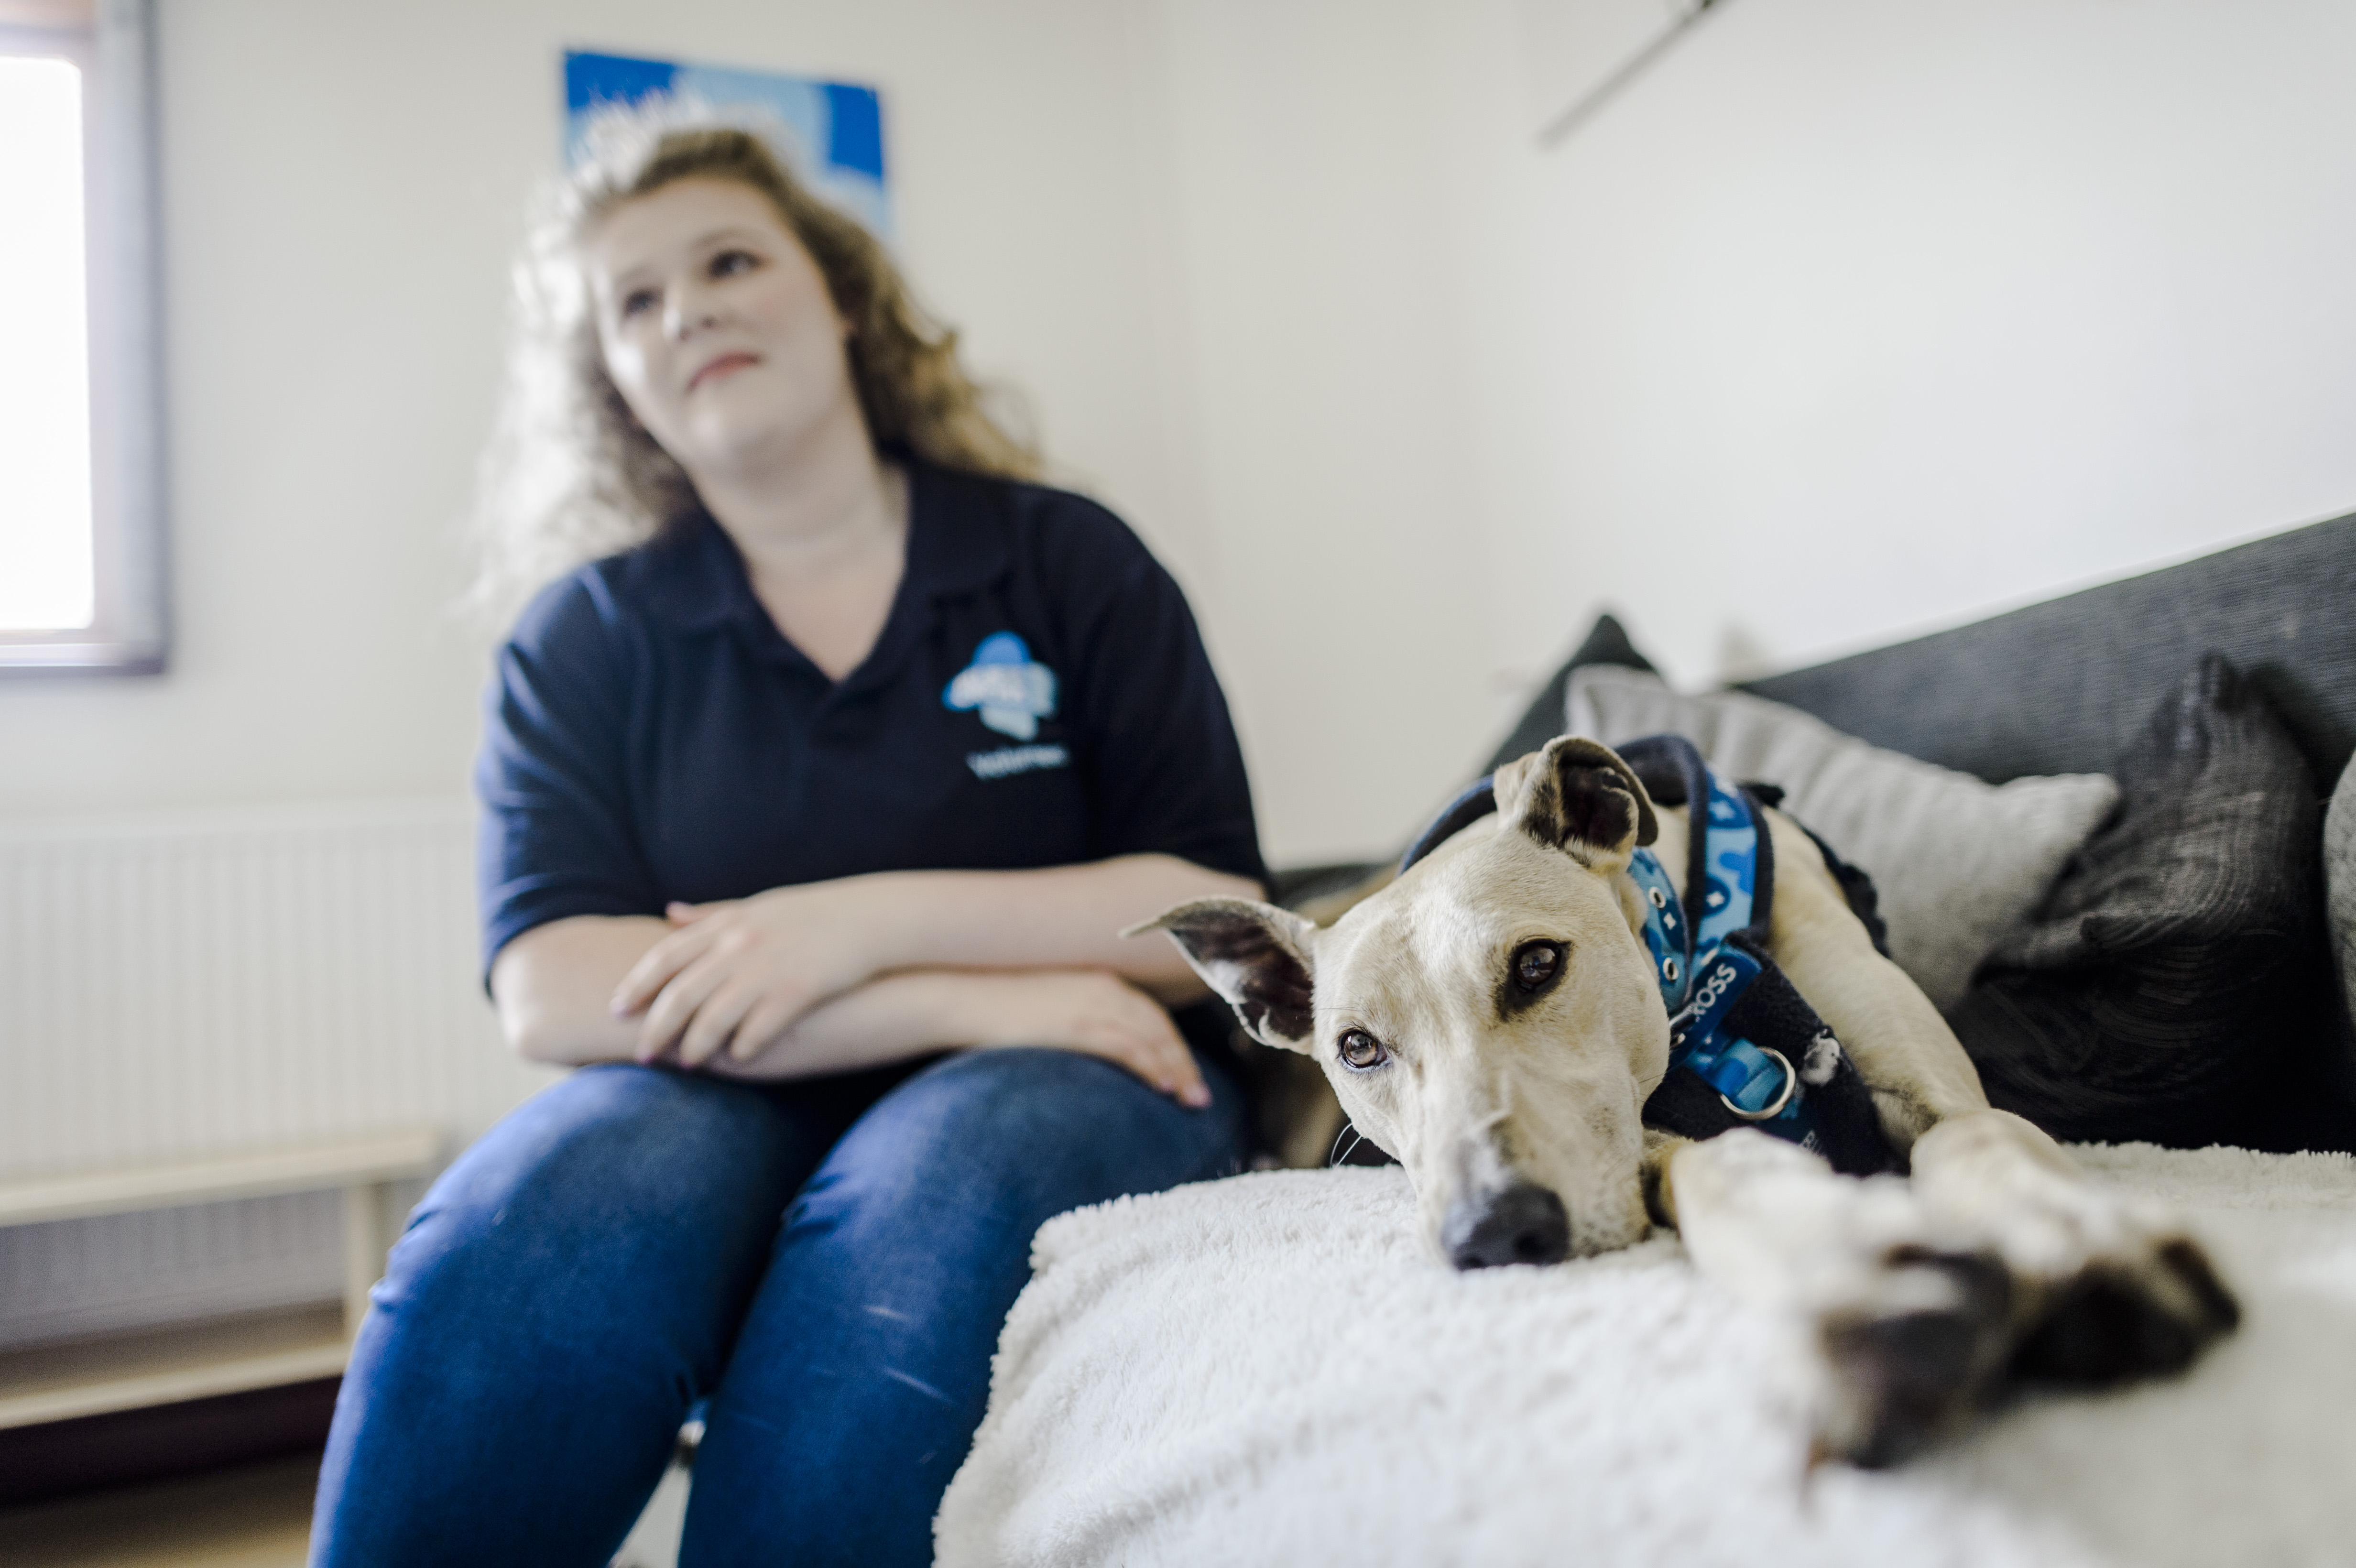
column 1011, row 693
column 1008, row 761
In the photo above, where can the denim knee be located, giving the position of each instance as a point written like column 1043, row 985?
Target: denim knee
column 992, row 1139
column 618, row 1179
column 863, row 1366
column 562, row 1293
column 1041, row 1104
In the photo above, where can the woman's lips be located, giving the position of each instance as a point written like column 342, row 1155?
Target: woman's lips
column 726, row 365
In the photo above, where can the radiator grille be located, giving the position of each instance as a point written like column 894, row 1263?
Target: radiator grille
column 169, row 988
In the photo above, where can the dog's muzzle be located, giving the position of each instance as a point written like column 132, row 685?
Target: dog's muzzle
column 1523, row 1223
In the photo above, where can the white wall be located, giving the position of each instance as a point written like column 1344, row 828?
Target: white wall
column 1897, row 312
column 1317, row 157
column 1849, row 318
column 343, row 191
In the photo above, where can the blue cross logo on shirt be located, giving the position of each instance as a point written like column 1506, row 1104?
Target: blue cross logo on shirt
column 1012, row 692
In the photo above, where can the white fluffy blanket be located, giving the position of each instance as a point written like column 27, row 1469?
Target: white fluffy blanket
column 1268, row 1370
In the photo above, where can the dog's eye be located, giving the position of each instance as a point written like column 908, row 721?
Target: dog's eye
column 1361, row 1050
column 1536, row 963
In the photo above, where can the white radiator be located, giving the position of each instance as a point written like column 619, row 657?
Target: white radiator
column 172, row 987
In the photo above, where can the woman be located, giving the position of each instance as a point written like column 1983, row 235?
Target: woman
column 862, row 752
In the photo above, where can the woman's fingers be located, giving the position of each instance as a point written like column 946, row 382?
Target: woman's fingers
column 715, row 1024
column 719, row 950
column 1176, row 1071
column 763, row 1027
column 1191, row 1090
column 1134, row 1032
column 675, row 1006
column 1182, row 1079
column 663, row 962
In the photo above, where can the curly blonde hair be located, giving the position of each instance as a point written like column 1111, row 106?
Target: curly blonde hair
column 569, row 473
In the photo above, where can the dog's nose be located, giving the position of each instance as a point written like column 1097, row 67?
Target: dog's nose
column 1523, row 1223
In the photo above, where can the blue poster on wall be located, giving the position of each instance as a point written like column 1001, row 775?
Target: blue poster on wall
column 838, row 127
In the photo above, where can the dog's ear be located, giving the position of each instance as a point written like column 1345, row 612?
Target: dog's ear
column 1578, row 796
column 1254, row 955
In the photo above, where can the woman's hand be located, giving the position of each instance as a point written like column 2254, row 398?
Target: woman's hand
column 734, row 976
column 1092, row 1012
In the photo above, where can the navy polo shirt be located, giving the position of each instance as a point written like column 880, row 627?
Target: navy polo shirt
column 1039, row 697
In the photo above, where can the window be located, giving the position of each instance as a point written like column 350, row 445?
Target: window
column 80, row 477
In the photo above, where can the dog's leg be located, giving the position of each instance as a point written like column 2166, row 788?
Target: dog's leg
column 1911, row 1062
column 2000, row 1262
column 1909, row 1317
column 1653, row 1175
column 2102, row 1287
column 2113, row 1286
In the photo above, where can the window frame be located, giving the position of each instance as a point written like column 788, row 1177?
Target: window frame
column 129, row 631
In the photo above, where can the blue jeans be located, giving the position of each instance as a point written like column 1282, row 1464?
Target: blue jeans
column 613, row 1252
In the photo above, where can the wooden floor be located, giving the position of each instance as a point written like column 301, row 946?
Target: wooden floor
column 254, row 1516
column 251, row 1516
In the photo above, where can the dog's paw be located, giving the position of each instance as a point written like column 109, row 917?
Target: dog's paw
column 1916, row 1358
column 2143, row 1310
column 2109, row 1284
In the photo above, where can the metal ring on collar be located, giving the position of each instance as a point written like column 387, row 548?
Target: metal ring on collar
column 1791, row 1086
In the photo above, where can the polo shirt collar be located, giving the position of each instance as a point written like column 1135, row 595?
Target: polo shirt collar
column 958, row 526
column 700, row 583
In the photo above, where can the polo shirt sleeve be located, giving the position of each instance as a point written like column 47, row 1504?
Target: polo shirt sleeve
column 558, row 835
column 1166, row 773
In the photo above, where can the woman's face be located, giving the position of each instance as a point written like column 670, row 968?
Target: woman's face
column 716, row 325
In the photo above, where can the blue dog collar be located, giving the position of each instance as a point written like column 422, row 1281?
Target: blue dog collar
column 1702, row 974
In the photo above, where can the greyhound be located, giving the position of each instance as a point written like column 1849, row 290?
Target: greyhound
column 1495, row 1020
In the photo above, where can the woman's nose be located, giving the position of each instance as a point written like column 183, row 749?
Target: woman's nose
column 688, row 309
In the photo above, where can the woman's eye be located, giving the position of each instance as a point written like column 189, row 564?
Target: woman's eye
column 1361, row 1050
column 1536, row 963
column 637, row 300
column 728, row 262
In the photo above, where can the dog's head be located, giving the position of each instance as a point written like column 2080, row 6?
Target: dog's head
column 1490, row 1018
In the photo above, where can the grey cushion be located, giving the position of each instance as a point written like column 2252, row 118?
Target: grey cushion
column 1958, row 864
column 2180, row 953
column 2339, row 901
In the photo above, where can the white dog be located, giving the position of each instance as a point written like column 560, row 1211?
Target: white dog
column 1498, row 1018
